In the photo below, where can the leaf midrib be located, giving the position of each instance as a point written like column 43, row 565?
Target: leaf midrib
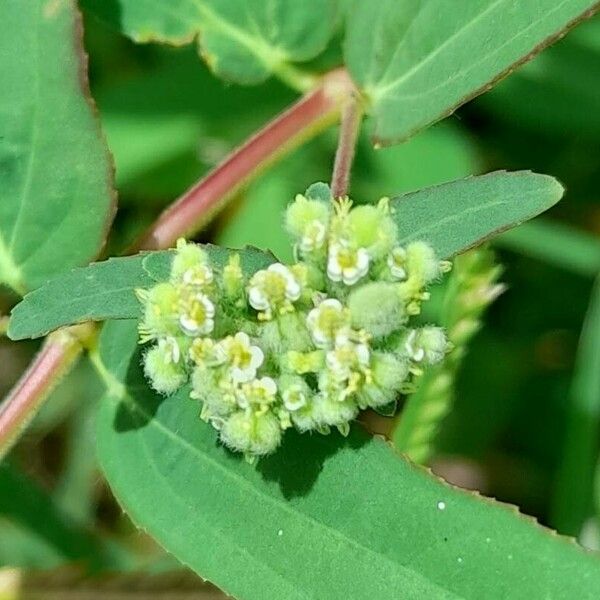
column 380, row 91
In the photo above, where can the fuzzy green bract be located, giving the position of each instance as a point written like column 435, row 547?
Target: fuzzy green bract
column 304, row 346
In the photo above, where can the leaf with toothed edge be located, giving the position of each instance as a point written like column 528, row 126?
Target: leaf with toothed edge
column 417, row 62
column 106, row 290
column 324, row 517
column 452, row 217
column 56, row 196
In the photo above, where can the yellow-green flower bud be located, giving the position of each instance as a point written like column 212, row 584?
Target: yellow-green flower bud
column 160, row 316
column 307, row 221
column 371, row 227
column 166, row 374
column 330, row 410
column 305, row 362
column 295, row 392
column 191, row 265
column 388, row 374
column 422, row 263
column 377, row 308
column 427, row 345
column 233, row 278
column 252, row 433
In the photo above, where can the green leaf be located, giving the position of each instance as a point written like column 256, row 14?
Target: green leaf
column 417, row 62
column 241, row 40
column 325, row 517
column 573, row 500
column 56, row 199
column 105, row 290
column 456, row 216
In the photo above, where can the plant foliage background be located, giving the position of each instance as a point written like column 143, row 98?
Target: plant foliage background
column 522, row 412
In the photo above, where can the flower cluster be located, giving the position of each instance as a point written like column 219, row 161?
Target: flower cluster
column 305, row 346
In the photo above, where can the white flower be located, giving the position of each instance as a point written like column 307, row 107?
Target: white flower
column 199, row 275
column 346, row 359
column 170, row 350
column 428, row 344
column 243, row 358
column 313, row 237
column 414, row 352
column 258, row 392
column 294, row 397
column 327, row 322
column 347, row 264
column 273, row 289
column 397, row 263
column 197, row 315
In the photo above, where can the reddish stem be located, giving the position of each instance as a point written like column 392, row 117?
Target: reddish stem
column 344, row 157
column 197, row 205
column 59, row 352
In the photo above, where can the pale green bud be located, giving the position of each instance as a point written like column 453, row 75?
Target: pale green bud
column 187, row 259
column 372, row 228
column 377, row 308
column 165, row 374
column 305, row 362
column 388, row 374
column 233, row 278
column 427, row 345
column 295, row 392
column 253, row 433
column 294, row 333
column 329, row 410
column 421, row 262
column 161, row 317
column 388, row 371
column 218, row 402
column 307, row 221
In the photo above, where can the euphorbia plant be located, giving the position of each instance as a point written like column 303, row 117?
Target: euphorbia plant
column 261, row 346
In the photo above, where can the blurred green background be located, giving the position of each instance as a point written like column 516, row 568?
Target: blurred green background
column 525, row 405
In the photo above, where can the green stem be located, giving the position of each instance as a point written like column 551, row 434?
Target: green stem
column 344, row 157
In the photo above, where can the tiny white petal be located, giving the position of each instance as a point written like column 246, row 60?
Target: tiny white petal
column 257, row 357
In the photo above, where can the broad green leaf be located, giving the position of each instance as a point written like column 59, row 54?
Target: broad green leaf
column 456, row 216
column 417, row 62
column 325, row 517
column 452, row 217
column 573, row 500
column 241, row 40
column 56, row 200
column 105, row 290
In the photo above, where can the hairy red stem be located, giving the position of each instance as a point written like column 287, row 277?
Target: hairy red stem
column 59, row 352
column 309, row 115
column 344, row 157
